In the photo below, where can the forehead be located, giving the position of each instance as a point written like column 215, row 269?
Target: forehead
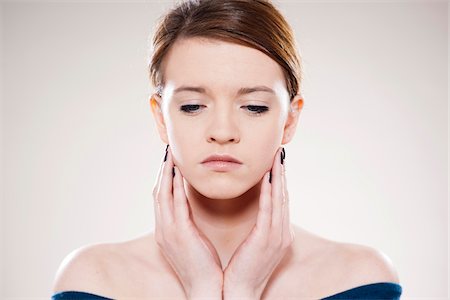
column 219, row 64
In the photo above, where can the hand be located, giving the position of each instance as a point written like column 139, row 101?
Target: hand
column 188, row 251
column 255, row 259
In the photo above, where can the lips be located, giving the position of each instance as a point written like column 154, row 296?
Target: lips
column 221, row 157
column 221, row 163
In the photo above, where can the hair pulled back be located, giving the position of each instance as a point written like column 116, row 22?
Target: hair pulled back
column 252, row 23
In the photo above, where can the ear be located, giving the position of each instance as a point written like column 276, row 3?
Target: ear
column 155, row 105
column 292, row 119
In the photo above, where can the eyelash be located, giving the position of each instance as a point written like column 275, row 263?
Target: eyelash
column 259, row 109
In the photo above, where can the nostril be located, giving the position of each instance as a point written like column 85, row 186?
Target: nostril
column 226, row 138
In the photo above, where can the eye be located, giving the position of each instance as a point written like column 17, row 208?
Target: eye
column 257, row 109
column 190, row 108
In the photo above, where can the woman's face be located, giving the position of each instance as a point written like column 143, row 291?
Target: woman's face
column 222, row 98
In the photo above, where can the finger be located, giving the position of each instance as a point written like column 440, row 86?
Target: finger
column 156, row 203
column 164, row 194
column 180, row 207
column 161, row 167
column 263, row 220
column 286, row 208
column 277, row 193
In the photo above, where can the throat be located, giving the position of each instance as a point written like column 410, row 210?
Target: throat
column 225, row 237
column 225, row 222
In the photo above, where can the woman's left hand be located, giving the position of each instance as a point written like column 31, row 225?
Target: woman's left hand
column 253, row 262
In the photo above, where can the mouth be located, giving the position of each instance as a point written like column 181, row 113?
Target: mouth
column 221, row 163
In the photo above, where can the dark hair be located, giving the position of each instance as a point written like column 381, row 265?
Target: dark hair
column 253, row 23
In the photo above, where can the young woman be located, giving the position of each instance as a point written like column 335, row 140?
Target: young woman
column 227, row 97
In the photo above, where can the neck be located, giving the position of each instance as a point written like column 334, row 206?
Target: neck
column 225, row 222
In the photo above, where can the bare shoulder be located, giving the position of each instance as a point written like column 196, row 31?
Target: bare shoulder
column 104, row 269
column 84, row 269
column 366, row 264
column 359, row 263
column 328, row 267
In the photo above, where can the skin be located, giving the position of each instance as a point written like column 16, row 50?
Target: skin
column 223, row 234
column 225, row 204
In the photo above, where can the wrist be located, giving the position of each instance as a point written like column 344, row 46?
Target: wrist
column 236, row 291
column 240, row 296
column 204, row 295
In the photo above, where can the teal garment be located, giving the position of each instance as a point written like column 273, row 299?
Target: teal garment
column 382, row 290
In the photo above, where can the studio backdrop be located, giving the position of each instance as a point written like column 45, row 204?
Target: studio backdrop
column 80, row 150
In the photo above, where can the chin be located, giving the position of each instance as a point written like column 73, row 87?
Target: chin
column 223, row 189
column 221, row 194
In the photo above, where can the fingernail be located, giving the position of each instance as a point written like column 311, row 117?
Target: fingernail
column 270, row 177
column 165, row 156
column 283, row 155
column 173, row 171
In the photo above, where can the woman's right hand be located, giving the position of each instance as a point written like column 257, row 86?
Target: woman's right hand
column 188, row 250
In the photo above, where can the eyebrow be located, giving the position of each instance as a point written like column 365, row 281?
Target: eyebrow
column 249, row 90
column 241, row 91
column 196, row 89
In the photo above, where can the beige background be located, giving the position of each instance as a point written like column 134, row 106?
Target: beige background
column 80, row 151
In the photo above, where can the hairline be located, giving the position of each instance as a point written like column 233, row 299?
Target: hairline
column 215, row 39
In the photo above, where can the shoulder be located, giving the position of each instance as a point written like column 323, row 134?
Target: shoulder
column 351, row 265
column 99, row 268
column 359, row 263
column 357, row 268
column 320, row 262
column 84, row 269
column 366, row 264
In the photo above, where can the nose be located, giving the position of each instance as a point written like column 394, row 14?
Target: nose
column 223, row 127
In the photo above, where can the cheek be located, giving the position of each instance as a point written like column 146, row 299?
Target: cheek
column 261, row 146
column 184, row 141
column 258, row 143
